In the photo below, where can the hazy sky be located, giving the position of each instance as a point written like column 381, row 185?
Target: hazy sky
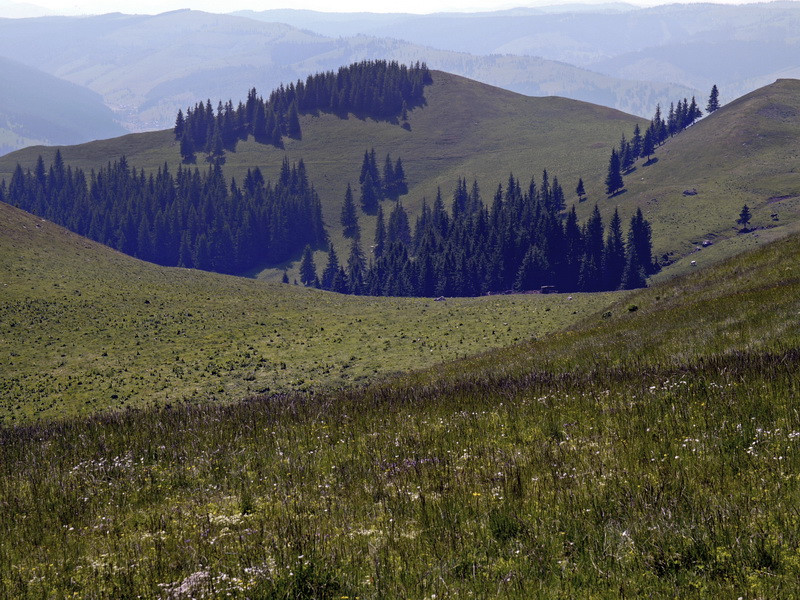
column 416, row 6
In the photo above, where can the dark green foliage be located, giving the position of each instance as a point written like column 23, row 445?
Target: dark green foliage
column 398, row 229
column 189, row 219
column 349, row 217
column 356, row 266
column 614, row 254
column 580, row 190
column 331, row 270
column 638, row 258
column 376, row 89
column 370, row 194
column 519, row 243
column 614, row 181
column 744, row 217
column 648, row 144
column 713, row 100
column 308, row 270
column 380, row 235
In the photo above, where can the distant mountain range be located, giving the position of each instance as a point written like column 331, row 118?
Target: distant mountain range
column 146, row 67
column 740, row 48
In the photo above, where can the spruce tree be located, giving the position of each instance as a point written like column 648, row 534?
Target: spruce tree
column 293, row 125
column 369, row 194
column 187, row 147
column 580, row 190
column 380, row 235
column 398, row 230
column 713, row 100
column 179, row 125
column 308, row 270
column 744, row 217
column 648, row 144
column 331, row 269
column 356, row 265
column 401, row 187
column 636, row 142
column 350, row 225
column 614, row 254
column 389, row 188
column 614, row 181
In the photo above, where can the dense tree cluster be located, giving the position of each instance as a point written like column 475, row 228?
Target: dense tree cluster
column 189, row 219
column 376, row 186
column 377, row 89
column 644, row 146
column 522, row 242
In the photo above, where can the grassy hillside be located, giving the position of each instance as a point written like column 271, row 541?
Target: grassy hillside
column 651, row 451
column 86, row 329
column 467, row 130
column 745, row 153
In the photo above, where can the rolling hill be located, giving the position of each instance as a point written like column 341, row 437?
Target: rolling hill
column 466, row 129
column 744, row 153
column 85, row 329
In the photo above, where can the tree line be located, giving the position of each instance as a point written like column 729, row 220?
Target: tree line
column 521, row 242
column 658, row 131
column 372, row 88
column 189, row 219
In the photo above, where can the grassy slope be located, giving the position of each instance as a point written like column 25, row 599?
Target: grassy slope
column 747, row 152
column 648, row 453
column 467, row 130
column 86, row 329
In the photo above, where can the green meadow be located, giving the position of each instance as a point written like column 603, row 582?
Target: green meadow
column 85, row 329
column 650, row 450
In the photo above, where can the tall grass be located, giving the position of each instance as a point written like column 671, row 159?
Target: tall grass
column 661, row 483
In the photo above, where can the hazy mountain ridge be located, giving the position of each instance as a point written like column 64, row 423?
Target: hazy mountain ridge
column 36, row 107
column 147, row 67
column 692, row 45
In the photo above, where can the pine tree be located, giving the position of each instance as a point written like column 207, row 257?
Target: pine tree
column 400, row 185
column 648, row 144
column 293, row 126
column 389, row 188
column 187, row 147
column 308, row 270
column 633, row 276
column 398, row 230
column 331, row 269
column 713, row 100
column 744, row 217
column 369, row 194
column 356, row 265
column 380, row 235
column 350, row 215
column 580, row 190
column 636, row 142
column 614, row 181
column 614, row 254
column 179, row 125
column 693, row 112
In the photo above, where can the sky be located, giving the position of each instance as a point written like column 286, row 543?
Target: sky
column 72, row 7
